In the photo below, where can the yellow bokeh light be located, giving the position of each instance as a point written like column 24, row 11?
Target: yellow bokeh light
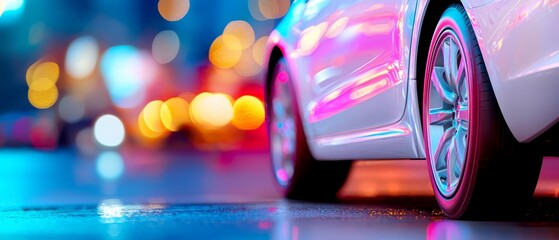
column 41, row 78
column 272, row 9
column 258, row 50
column 30, row 71
column 43, row 99
column 145, row 130
column 248, row 113
column 223, row 56
column 211, row 110
column 175, row 113
column 42, row 84
column 152, row 116
column 39, row 70
column 242, row 31
column 173, row 10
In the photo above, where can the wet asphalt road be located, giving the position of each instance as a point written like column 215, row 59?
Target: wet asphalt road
column 232, row 196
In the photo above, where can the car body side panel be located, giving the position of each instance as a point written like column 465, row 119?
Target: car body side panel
column 375, row 80
column 519, row 44
column 355, row 64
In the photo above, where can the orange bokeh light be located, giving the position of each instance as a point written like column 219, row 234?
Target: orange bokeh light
column 175, row 113
column 258, row 50
column 173, row 10
column 242, row 31
column 225, row 51
column 272, row 9
column 152, row 116
column 248, row 113
column 145, row 130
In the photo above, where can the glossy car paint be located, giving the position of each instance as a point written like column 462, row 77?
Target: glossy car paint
column 519, row 43
column 353, row 67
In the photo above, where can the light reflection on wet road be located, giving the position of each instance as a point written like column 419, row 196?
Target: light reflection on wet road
column 232, row 196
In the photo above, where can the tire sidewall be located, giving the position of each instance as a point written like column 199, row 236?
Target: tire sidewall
column 300, row 144
column 452, row 20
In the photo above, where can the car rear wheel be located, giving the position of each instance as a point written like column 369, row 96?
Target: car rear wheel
column 477, row 168
column 298, row 174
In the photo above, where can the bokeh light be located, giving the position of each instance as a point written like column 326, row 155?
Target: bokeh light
column 41, row 77
column 44, row 133
column 85, row 142
column 165, row 46
column 175, row 113
column 110, row 165
column 71, row 109
column 272, row 9
column 11, row 10
column 258, row 50
column 255, row 10
column 37, row 32
column 225, row 51
column 109, row 131
column 248, row 113
column 42, row 70
column 43, row 99
column 247, row 66
column 81, row 57
column 242, row 31
column 145, row 131
column 152, row 116
column 173, row 10
column 127, row 72
column 211, row 110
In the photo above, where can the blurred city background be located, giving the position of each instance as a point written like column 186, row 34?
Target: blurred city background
column 109, row 74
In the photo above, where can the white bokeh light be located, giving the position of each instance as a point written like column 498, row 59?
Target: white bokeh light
column 165, row 46
column 109, row 131
column 81, row 57
column 71, row 109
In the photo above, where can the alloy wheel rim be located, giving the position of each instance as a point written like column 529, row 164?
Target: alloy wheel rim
column 282, row 129
column 448, row 117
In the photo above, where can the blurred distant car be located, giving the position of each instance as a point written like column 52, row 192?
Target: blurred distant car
column 469, row 85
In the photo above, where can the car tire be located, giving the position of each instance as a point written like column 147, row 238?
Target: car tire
column 477, row 168
column 298, row 174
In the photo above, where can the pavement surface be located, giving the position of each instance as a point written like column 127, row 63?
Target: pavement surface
column 144, row 194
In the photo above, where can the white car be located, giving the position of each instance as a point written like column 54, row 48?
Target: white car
column 469, row 85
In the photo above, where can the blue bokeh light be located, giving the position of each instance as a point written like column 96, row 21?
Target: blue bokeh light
column 123, row 68
column 110, row 165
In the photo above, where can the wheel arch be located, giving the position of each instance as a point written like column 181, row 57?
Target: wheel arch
column 429, row 17
column 275, row 55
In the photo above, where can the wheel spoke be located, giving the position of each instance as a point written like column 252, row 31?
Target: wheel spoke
column 450, row 163
column 460, row 83
column 450, row 56
column 441, row 86
column 464, row 117
column 442, row 147
column 440, row 116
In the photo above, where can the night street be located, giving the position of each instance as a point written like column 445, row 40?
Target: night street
column 233, row 196
column 279, row 119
